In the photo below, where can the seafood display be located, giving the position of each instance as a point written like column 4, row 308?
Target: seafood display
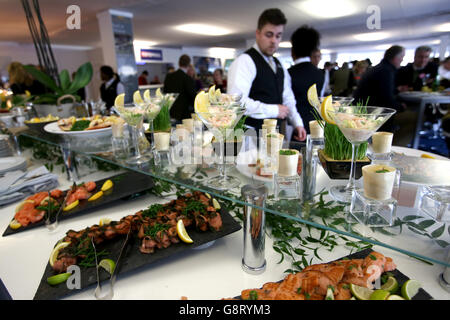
column 155, row 227
column 313, row 282
column 88, row 123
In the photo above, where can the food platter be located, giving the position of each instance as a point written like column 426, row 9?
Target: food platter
column 121, row 189
column 55, row 129
column 397, row 274
column 132, row 258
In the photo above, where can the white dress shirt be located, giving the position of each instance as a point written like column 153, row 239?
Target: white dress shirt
column 444, row 73
column 241, row 74
column 120, row 88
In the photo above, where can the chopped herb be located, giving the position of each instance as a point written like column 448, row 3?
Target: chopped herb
column 350, row 267
column 193, row 206
column 299, row 290
column 382, row 171
column 371, row 256
column 287, row 152
column 157, row 227
column 253, row 295
column 80, row 125
column 346, row 286
column 307, row 296
column 152, row 210
column 331, row 287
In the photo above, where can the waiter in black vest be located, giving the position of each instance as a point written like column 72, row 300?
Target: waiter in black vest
column 111, row 86
column 264, row 83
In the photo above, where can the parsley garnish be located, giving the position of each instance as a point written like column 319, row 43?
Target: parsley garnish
column 371, row 256
column 152, row 211
column 157, row 227
column 253, row 295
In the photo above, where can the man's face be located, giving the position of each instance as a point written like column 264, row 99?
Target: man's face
column 316, row 56
column 421, row 59
column 268, row 38
column 398, row 59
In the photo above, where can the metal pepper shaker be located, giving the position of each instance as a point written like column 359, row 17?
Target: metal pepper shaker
column 253, row 260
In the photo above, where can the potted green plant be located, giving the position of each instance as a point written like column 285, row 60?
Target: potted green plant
column 60, row 99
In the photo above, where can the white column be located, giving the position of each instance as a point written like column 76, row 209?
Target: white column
column 445, row 42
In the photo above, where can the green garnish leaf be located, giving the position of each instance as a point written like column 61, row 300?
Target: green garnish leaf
column 80, row 125
column 382, row 171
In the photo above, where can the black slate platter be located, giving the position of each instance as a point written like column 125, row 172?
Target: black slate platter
column 125, row 185
column 398, row 275
column 131, row 258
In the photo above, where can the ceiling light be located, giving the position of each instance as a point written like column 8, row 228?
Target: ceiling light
column 383, row 46
column 204, row 29
column 371, row 36
column 325, row 51
column 445, row 27
column 143, row 43
column 328, row 8
column 285, row 44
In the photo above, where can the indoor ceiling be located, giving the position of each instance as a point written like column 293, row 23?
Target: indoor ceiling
column 155, row 20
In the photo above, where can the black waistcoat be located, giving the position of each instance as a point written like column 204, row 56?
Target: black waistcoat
column 109, row 94
column 267, row 86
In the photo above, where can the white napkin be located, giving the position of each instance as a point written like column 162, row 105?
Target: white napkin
column 37, row 180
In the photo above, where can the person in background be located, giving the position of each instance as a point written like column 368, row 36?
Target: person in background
column 326, row 89
column 193, row 74
column 179, row 82
column 444, row 73
column 316, row 56
column 219, row 81
column 377, row 86
column 170, row 69
column 340, row 80
column 305, row 41
column 419, row 73
column 142, row 80
column 265, row 85
column 21, row 81
column 111, row 86
column 155, row 80
column 358, row 70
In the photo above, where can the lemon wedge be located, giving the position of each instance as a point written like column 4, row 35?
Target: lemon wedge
column 104, row 222
column 55, row 252
column 107, row 185
column 326, row 109
column 71, row 206
column 14, row 224
column 96, row 196
column 427, row 156
column 137, row 97
column 212, row 93
column 201, row 102
column 120, row 100
column 158, row 93
column 147, row 95
column 182, row 233
column 216, row 204
column 218, row 94
column 313, row 97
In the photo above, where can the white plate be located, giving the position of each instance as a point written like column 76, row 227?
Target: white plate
column 54, row 128
column 416, row 153
column 12, row 163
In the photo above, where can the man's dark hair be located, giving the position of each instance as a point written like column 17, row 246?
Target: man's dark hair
column 184, row 61
column 422, row 48
column 327, row 64
column 273, row 16
column 304, row 41
column 220, row 70
column 145, row 72
column 392, row 52
column 107, row 71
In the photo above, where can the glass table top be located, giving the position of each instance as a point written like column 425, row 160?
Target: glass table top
column 413, row 233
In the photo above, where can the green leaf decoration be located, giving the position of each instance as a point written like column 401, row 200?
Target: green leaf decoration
column 43, row 78
column 438, row 232
column 82, row 78
column 64, row 78
column 426, row 223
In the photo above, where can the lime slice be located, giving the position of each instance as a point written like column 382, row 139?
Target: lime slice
column 379, row 294
column 201, row 102
column 410, row 289
column 216, row 204
column 391, row 285
column 182, row 233
column 107, row 185
column 71, row 206
column 361, row 293
column 313, row 97
column 326, row 109
column 96, row 196
column 137, row 97
column 147, row 95
column 55, row 252
column 59, row 278
column 104, row 221
column 14, row 224
column 120, row 100
column 395, row 297
column 330, row 294
column 108, row 265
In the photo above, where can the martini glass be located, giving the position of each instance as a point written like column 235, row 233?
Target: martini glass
column 337, row 101
column 221, row 118
column 357, row 124
column 133, row 114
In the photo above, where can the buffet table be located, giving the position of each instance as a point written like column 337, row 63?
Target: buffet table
column 212, row 272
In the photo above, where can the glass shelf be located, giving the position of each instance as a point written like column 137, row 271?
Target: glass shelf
column 414, row 233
